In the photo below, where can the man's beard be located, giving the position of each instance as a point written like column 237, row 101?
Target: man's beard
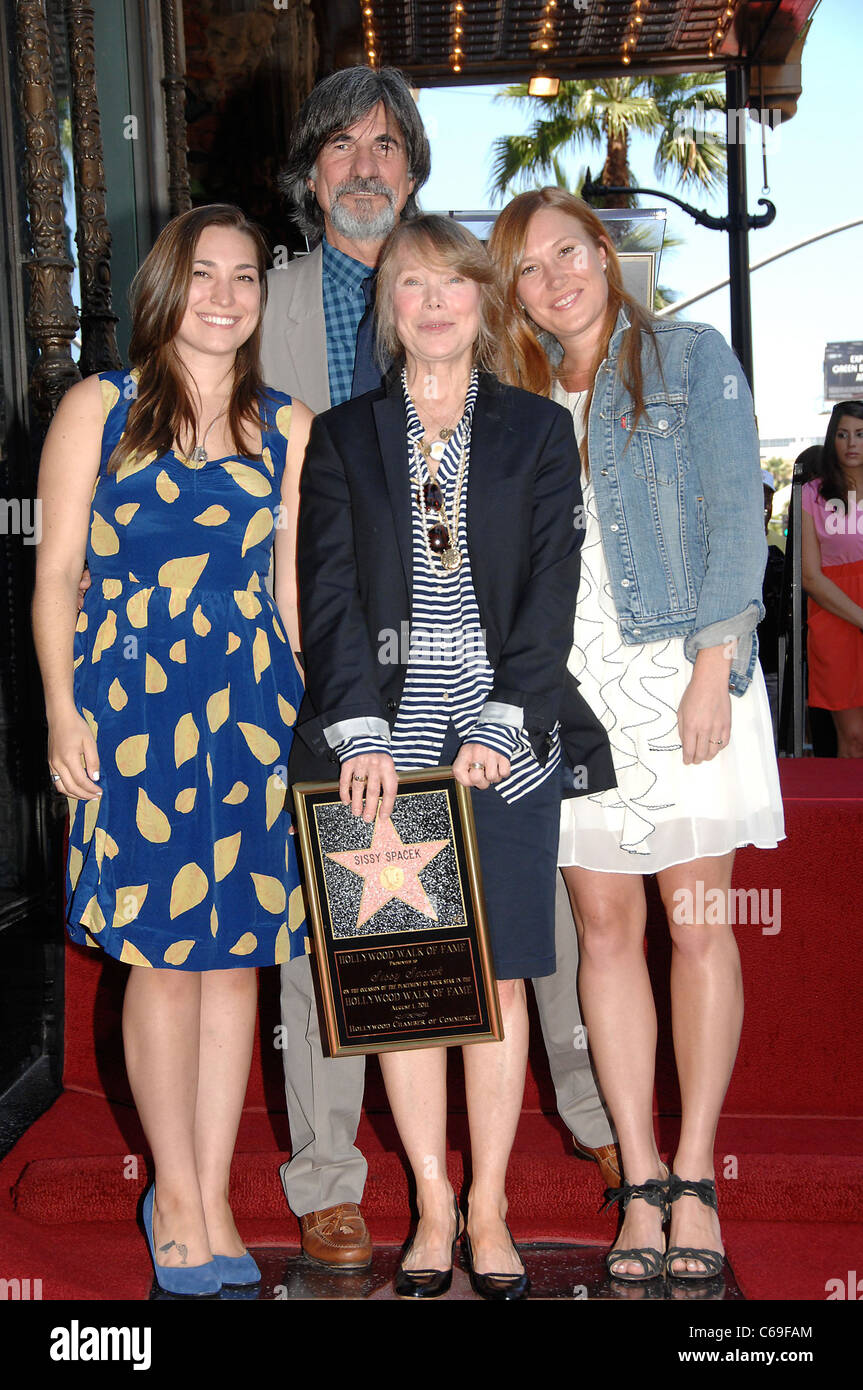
column 372, row 226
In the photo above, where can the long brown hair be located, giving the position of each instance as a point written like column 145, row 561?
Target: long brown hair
column 437, row 241
column 832, row 481
column 524, row 361
column 163, row 408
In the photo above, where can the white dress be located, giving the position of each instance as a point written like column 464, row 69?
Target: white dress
column 662, row 812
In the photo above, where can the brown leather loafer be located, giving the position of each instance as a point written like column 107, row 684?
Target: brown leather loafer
column 606, row 1158
column 337, row 1238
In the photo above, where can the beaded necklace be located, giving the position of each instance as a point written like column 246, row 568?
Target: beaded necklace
column 451, row 557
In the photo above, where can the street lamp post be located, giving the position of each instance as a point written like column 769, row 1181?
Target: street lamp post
column 738, row 230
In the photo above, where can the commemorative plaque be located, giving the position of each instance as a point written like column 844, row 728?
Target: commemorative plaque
column 398, row 918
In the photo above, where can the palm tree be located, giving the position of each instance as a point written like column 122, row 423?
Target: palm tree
column 605, row 113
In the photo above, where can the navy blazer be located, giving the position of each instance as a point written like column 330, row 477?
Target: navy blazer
column 354, row 556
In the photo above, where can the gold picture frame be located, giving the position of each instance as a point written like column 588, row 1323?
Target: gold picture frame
column 401, row 946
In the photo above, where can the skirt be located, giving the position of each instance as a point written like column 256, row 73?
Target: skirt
column 517, row 843
column 835, row 646
column 662, row 811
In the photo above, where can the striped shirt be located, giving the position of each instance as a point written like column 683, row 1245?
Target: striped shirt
column 344, row 305
column 448, row 677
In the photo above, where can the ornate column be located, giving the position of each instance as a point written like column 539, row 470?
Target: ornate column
column 174, row 84
column 98, row 341
column 51, row 321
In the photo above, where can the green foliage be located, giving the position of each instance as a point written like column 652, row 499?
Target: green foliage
column 603, row 114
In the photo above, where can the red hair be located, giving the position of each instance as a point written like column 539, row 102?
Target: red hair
column 524, row 360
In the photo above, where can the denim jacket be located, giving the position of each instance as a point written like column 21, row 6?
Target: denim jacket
column 680, row 496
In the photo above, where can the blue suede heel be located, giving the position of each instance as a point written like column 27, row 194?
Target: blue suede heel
column 237, row 1270
column 194, row 1280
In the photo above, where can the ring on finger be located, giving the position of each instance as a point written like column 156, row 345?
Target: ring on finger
column 358, row 777
column 480, row 767
column 55, row 777
column 718, row 741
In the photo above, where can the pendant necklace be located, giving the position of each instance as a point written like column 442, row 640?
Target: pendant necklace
column 199, row 454
column 436, row 448
column 451, row 557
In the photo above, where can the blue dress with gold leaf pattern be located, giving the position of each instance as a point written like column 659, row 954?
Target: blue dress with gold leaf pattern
column 184, row 673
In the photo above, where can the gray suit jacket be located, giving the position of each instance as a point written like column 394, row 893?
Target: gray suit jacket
column 294, row 340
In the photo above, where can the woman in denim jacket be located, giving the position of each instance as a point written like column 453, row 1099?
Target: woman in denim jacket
column 664, row 650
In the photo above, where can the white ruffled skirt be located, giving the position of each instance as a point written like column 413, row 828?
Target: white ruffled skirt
column 661, row 812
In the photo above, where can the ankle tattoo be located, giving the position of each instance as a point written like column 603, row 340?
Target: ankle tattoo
column 183, row 1250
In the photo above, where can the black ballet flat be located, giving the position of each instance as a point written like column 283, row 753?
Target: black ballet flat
column 426, row 1283
column 498, row 1287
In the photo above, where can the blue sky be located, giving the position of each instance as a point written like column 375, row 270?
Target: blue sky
column 799, row 303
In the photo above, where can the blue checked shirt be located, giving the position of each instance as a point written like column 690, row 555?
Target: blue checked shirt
column 344, row 305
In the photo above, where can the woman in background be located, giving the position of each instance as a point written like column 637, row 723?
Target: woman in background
column 832, row 503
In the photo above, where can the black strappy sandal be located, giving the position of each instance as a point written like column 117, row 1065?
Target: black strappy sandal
column 655, row 1192
column 713, row 1261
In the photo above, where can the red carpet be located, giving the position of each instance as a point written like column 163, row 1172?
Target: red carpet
column 791, row 1128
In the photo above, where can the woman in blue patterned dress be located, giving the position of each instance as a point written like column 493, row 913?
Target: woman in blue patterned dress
column 171, row 708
